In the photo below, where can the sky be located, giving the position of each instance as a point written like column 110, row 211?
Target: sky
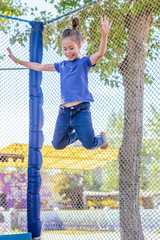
column 41, row 5
column 14, row 85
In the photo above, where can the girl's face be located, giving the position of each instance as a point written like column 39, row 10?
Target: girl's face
column 70, row 48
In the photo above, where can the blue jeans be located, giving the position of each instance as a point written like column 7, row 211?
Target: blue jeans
column 75, row 123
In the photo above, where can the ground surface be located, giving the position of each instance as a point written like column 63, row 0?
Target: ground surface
column 90, row 236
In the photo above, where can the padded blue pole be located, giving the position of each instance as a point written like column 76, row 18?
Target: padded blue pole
column 35, row 132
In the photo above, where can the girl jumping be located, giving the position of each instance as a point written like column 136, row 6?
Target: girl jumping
column 74, row 117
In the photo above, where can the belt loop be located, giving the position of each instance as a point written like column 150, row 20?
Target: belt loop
column 62, row 107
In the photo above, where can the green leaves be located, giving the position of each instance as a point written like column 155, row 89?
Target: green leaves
column 1, row 57
column 65, row 6
column 12, row 8
column 114, row 129
column 151, row 152
column 148, row 79
column 20, row 37
column 111, row 174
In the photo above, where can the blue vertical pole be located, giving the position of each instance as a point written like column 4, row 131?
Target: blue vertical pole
column 35, row 132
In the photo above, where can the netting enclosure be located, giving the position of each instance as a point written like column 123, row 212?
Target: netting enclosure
column 87, row 194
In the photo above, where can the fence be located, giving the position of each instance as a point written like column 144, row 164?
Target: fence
column 113, row 193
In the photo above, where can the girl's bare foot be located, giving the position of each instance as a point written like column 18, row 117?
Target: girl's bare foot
column 106, row 143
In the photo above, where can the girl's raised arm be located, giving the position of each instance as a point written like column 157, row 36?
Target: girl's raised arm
column 32, row 65
column 105, row 27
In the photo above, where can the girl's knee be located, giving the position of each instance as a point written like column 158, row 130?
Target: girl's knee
column 57, row 145
column 88, row 146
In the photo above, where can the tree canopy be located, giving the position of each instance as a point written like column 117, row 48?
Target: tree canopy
column 13, row 9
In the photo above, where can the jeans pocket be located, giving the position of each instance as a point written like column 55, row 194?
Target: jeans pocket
column 84, row 109
column 61, row 110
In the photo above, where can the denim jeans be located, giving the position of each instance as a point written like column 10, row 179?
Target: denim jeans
column 75, row 123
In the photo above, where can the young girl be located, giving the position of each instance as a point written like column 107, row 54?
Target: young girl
column 74, row 118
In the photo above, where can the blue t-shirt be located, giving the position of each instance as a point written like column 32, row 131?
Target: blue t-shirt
column 74, row 80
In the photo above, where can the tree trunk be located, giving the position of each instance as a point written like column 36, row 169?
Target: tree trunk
column 132, row 69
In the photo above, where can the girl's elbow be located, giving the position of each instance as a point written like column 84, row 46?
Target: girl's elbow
column 100, row 55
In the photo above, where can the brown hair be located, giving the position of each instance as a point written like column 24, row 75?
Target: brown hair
column 73, row 33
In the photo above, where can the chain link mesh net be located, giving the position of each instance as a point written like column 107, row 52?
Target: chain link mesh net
column 80, row 188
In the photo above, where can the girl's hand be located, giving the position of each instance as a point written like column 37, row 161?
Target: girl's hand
column 105, row 26
column 14, row 59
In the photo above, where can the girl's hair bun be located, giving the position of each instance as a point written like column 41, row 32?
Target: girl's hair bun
column 75, row 22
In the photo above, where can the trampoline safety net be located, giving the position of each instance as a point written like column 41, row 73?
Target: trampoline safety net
column 87, row 194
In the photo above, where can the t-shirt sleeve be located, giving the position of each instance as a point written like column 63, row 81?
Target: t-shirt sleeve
column 89, row 62
column 57, row 66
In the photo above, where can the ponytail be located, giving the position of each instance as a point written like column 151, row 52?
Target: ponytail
column 73, row 33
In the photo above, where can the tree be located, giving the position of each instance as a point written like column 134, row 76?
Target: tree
column 132, row 69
